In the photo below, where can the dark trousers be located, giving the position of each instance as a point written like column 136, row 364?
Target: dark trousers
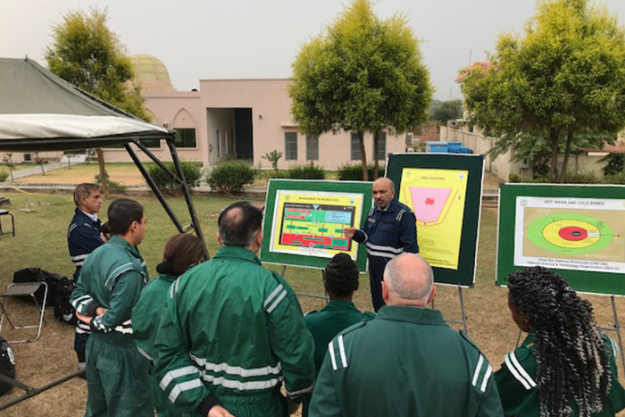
column 376, row 275
column 80, row 345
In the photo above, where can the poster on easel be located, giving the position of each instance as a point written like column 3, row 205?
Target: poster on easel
column 576, row 230
column 445, row 192
column 304, row 221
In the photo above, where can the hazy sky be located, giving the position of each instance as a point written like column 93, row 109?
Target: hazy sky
column 203, row 39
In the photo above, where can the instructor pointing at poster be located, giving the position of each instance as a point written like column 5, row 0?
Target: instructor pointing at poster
column 390, row 229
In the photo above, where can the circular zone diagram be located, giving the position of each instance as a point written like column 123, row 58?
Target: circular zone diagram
column 569, row 233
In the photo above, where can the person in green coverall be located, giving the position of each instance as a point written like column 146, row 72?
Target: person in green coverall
column 407, row 362
column 107, row 289
column 340, row 280
column 565, row 367
column 181, row 253
column 232, row 333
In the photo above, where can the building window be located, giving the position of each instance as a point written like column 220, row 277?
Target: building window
column 218, row 144
column 312, row 147
column 185, row 138
column 290, row 146
column 381, row 145
column 356, row 155
column 151, row 143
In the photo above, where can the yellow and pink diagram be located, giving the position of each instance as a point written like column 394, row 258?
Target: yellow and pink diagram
column 437, row 197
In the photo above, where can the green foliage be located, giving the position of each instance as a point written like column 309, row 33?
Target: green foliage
column 349, row 172
column 273, row 157
column 363, row 74
column 230, row 177
column 86, row 53
column 3, row 175
column 564, row 79
column 306, row 172
column 512, row 177
column 582, row 177
column 8, row 161
column 166, row 183
column 615, row 164
column 114, row 186
column 447, row 110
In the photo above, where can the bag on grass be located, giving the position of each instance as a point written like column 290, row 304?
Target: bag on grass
column 7, row 366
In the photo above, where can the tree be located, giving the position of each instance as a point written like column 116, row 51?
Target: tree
column 87, row 54
column 447, row 110
column 564, row 80
column 363, row 74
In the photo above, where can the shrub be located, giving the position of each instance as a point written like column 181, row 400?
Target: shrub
column 166, row 183
column 351, row 172
column 306, row 172
column 114, row 186
column 3, row 175
column 230, row 177
column 273, row 157
column 269, row 174
column 615, row 178
column 615, row 164
column 512, row 177
column 582, row 177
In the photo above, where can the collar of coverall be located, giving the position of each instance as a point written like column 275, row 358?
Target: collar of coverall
column 123, row 243
column 92, row 217
column 416, row 315
column 392, row 203
column 238, row 253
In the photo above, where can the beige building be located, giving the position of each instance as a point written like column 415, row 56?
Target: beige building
column 237, row 119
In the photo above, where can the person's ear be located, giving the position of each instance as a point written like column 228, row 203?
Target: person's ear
column 432, row 294
column 259, row 238
column 357, row 285
column 219, row 239
column 384, row 291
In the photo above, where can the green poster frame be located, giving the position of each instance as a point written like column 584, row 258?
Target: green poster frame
column 308, row 261
column 464, row 276
column 595, row 282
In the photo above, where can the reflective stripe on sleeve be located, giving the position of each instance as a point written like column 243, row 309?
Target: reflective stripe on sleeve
column 177, row 373
column 184, row 386
column 332, row 358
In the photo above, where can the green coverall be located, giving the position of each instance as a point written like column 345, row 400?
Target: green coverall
column 117, row 375
column 325, row 324
column 405, row 363
column 145, row 320
column 231, row 332
column 516, row 383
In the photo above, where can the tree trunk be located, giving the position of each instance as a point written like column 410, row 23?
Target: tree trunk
column 554, row 135
column 567, row 152
column 375, row 156
column 363, row 156
column 105, row 187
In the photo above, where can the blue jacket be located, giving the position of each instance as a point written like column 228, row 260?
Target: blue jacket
column 387, row 233
column 83, row 237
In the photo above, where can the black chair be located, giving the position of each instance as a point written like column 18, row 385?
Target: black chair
column 5, row 212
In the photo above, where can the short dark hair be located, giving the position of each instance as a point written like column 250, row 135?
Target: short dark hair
column 239, row 223
column 341, row 275
column 181, row 252
column 122, row 212
column 83, row 190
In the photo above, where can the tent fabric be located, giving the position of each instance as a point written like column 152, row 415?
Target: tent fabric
column 40, row 111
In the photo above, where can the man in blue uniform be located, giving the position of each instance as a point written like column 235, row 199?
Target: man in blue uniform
column 389, row 230
column 84, row 235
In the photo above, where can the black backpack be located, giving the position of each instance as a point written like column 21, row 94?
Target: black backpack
column 7, row 366
column 62, row 292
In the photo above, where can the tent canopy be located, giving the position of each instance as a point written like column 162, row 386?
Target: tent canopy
column 41, row 112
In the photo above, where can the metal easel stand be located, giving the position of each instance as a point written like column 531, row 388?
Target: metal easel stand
column 32, row 392
column 301, row 294
column 464, row 314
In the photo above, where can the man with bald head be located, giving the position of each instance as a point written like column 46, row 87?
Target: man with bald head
column 389, row 230
column 407, row 362
column 233, row 331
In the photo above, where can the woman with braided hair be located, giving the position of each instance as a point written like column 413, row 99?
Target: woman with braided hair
column 565, row 367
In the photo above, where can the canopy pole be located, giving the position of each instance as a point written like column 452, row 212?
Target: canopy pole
column 187, row 195
column 158, row 161
column 154, row 188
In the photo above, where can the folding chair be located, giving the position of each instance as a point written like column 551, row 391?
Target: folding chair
column 5, row 212
column 21, row 290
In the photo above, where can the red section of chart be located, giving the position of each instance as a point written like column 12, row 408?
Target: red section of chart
column 309, row 241
column 573, row 233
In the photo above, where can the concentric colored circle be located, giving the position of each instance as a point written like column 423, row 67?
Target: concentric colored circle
column 573, row 233
column 568, row 233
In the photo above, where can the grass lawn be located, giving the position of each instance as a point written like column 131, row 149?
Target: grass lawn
column 41, row 242
column 125, row 173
